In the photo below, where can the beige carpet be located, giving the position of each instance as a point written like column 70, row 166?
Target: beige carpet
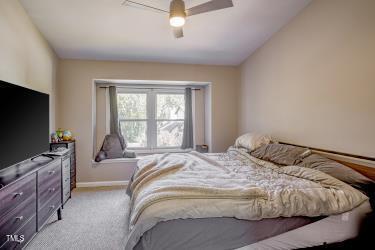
column 94, row 218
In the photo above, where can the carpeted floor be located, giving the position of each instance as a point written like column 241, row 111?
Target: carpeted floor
column 94, row 218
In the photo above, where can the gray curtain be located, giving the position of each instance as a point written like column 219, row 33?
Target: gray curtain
column 114, row 126
column 188, row 140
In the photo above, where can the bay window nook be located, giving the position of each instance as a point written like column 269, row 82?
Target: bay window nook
column 152, row 116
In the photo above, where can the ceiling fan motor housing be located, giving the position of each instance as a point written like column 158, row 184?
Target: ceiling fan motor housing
column 177, row 9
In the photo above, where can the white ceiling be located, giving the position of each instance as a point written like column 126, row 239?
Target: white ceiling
column 106, row 30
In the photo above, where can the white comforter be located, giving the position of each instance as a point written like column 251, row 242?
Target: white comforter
column 233, row 184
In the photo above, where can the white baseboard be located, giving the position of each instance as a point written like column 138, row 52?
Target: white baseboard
column 102, row 184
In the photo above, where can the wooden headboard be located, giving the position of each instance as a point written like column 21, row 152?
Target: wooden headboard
column 363, row 169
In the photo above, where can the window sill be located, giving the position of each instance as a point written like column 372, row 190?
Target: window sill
column 141, row 152
column 117, row 160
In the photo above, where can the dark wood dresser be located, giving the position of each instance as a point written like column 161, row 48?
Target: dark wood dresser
column 30, row 193
column 71, row 146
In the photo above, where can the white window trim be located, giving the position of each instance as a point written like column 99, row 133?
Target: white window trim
column 151, row 119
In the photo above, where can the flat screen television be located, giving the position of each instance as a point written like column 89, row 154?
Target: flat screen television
column 24, row 124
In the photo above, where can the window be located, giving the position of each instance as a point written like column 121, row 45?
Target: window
column 132, row 109
column 151, row 118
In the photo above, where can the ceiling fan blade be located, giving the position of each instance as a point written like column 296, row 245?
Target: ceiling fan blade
column 209, row 6
column 178, row 32
column 129, row 2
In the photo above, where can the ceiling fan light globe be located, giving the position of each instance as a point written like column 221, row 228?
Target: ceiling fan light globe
column 177, row 21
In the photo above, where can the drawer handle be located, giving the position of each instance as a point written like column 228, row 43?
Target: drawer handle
column 52, row 207
column 19, row 218
column 51, row 189
column 51, row 172
column 18, row 194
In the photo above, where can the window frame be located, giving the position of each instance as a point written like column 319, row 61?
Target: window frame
column 151, row 116
column 136, row 91
column 166, row 91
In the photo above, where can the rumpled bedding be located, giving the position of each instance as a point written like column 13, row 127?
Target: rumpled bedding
column 232, row 184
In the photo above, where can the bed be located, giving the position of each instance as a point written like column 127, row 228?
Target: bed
column 234, row 200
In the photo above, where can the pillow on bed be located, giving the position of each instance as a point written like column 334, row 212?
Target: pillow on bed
column 281, row 154
column 335, row 169
column 252, row 141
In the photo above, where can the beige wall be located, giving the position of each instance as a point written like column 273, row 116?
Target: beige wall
column 75, row 95
column 25, row 57
column 313, row 83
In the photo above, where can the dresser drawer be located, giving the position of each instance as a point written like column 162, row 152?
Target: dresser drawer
column 66, row 177
column 16, row 218
column 15, row 194
column 66, row 189
column 66, row 164
column 48, row 209
column 27, row 231
column 66, row 168
column 70, row 146
column 52, row 171
column 49, row 182
column 66, row 194
column 46, row 192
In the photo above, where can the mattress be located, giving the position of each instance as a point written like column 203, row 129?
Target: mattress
column 231, row 233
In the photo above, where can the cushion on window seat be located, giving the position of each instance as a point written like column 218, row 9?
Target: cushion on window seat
column 114, row 146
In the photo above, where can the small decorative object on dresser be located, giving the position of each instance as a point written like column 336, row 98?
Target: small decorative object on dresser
column 54, row 137
column 71, row 155
column 67, row 135
column 61, row 136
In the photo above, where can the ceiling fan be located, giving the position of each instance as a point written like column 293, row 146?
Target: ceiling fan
column 178, row 13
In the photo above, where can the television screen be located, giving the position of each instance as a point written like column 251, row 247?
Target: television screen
column 24, row 124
